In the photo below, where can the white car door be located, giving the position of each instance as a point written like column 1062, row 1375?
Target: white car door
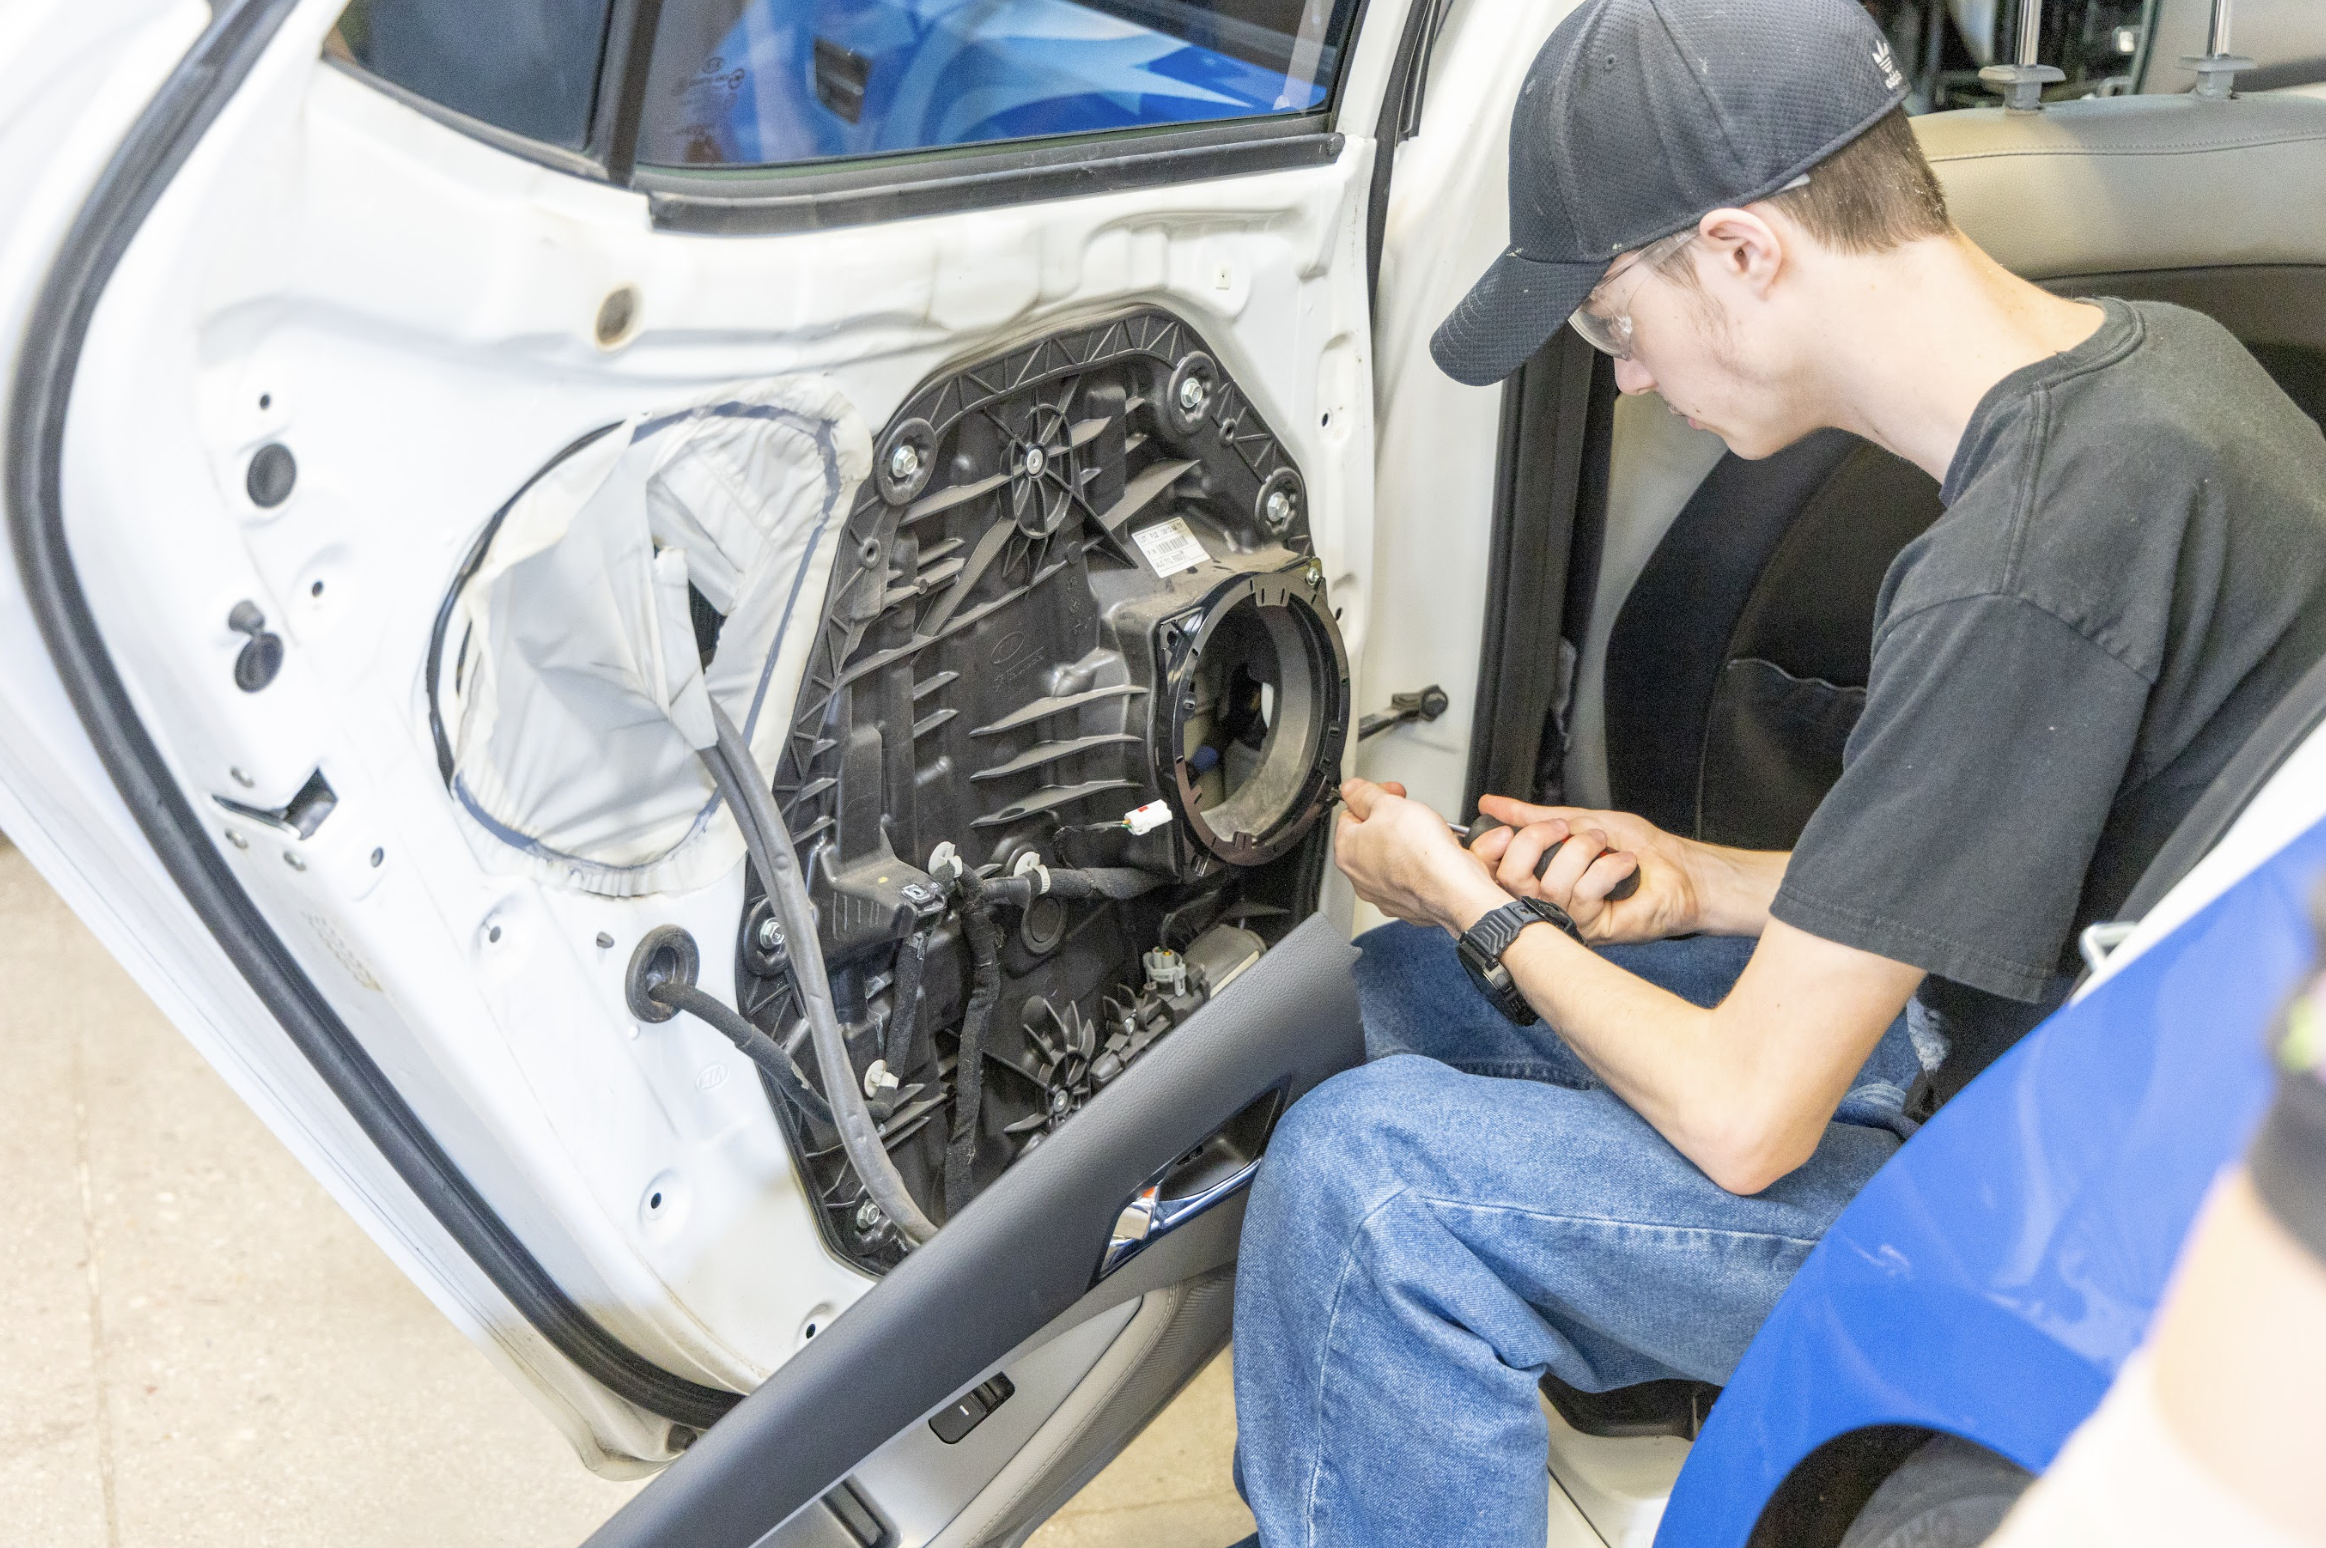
column 421, row 416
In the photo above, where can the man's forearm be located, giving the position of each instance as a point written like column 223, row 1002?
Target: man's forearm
column 1735, row 887
column 1657, row 1052
column 1744, row 1089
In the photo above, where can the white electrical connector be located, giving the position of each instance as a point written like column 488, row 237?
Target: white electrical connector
column 1146, row 819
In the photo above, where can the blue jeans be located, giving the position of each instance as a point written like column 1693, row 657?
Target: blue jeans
column 1432, row 1231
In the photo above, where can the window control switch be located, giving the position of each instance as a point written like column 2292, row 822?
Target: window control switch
column 966, row 1412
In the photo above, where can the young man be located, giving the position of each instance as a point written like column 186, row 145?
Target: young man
column 2131, row 570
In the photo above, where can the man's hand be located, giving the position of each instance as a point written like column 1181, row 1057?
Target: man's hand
column 1685, row 887
column 1597, row 851
column 1403, row 859
column 1744, row 1089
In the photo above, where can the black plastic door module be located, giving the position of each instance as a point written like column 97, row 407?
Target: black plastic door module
column 1019, row 1257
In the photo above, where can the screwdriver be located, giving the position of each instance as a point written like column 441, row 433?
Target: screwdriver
column 1485, row 825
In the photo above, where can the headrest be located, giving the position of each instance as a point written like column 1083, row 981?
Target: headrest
column 2111, row 185
column 2286, row 40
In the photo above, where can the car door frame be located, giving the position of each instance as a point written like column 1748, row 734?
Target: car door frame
column 1301, row 1048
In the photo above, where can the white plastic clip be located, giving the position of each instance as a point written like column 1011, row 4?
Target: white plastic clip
column 1030, row 864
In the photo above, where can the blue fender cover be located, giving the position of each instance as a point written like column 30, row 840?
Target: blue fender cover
column 1990, row 1280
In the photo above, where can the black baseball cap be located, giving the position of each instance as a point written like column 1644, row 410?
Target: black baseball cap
column 1636, row 118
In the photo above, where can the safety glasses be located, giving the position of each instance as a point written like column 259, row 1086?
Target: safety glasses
column 1604, row 318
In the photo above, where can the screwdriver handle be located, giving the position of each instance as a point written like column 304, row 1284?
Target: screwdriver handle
column 1623, row 889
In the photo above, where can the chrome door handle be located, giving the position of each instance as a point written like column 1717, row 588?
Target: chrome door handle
column 1147, row 1217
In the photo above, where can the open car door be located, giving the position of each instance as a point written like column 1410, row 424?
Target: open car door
column 703, row 644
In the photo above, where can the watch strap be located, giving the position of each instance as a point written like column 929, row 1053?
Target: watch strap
column 1492, row 935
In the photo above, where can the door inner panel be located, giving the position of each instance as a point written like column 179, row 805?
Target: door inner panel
column 1073, row 704
column 1075, row 707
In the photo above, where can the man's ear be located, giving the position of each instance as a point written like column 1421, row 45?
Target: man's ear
column 1743, row 248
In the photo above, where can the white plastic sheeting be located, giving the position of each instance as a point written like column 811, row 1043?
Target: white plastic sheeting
column 578, row 694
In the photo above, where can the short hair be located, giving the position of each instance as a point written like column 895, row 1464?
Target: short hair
column 1875, row 193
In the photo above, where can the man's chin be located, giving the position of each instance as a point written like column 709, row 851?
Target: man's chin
column 1729, row 436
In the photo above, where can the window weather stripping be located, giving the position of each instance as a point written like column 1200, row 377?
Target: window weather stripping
column 901, row 188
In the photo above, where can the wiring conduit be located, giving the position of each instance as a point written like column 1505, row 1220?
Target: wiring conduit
column 769, row 842
column 757, row 1046
column 984, row 937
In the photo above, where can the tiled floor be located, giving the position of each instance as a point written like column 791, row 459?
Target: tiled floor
column 1171, row 1488
column 197, row 1347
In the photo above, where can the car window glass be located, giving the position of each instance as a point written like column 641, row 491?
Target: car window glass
column 527, row 66
column 770, row 82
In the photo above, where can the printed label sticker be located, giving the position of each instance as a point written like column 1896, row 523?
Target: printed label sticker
column 1169, row 546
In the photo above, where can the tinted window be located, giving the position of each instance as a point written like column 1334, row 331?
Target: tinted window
column 765, row 82
column 527, row 66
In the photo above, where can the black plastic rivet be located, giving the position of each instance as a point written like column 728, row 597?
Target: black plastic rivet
column 256, row 664
column 261, row 656
column 273, row 472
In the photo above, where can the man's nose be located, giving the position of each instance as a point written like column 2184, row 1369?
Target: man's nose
column 1634, row 378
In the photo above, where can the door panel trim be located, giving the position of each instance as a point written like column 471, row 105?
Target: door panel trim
column 125, row 193
column 1011, row 1264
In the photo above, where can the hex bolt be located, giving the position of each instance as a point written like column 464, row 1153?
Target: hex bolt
column 771, row 935
column 1192, row 392
column 1281, row 508
column 868, row 1218
column 904, row 460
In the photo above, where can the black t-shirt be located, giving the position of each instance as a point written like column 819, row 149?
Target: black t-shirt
column 2130, row 572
